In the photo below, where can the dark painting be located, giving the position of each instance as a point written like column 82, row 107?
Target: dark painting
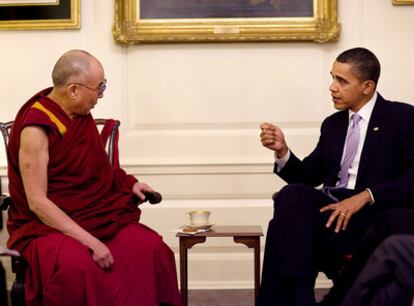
column 175, row 9
column 36, row 12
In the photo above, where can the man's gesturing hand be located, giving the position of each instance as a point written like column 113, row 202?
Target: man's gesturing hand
column 273, row 138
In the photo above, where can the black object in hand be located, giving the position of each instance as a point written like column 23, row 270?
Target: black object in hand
column 153, row 197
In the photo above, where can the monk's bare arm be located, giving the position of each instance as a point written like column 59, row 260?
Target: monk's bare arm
column 33, row 163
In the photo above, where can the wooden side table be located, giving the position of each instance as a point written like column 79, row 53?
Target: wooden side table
column 244, row 234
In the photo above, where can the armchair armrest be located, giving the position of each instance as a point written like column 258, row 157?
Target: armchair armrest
column 5, row 202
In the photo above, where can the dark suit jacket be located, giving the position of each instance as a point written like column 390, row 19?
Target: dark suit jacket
column 387, row 278
column 387, row 158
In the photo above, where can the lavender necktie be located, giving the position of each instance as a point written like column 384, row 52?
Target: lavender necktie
column 352, row 141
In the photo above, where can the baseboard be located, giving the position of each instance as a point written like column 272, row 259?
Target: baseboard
column 321, row 283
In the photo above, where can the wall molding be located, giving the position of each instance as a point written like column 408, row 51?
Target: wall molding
column 217, row 127
column 234, row 166
column 156, row 167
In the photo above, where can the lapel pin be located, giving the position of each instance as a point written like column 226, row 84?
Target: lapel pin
column 376, row 129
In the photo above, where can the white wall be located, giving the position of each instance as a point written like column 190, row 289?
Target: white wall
column 190, row 112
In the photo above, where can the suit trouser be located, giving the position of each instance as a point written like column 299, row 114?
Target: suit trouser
column 297, row 242
column 388, row 222
column 388, row 276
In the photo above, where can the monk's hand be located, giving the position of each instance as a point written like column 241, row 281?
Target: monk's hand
column 139, row 188
column 101, row 255
column 273, row 138
column 344, row 210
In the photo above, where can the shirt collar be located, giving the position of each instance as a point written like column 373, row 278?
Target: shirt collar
column 366, row 111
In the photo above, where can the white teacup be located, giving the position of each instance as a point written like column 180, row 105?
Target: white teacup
column 198, row 217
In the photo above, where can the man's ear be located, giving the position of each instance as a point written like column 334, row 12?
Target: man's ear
column 72, row 90
column 368, row 87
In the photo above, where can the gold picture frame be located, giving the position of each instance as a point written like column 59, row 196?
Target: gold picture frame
column 402, row 2
column 34, row 15
column 131, row 28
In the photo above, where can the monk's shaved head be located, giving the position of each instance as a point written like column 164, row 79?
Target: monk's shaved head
column 78, row 82
column 73, row 65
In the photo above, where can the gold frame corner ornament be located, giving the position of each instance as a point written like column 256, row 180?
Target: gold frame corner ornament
column 129, row 29
column 46, row 24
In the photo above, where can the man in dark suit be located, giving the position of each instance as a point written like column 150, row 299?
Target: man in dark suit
column 388, row 223
column 387, row 277
column 365, row 161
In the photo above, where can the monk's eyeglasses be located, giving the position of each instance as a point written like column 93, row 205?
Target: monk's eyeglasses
column 100, row 89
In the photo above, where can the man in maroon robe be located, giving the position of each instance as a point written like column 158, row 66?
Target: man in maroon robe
column 74, row 218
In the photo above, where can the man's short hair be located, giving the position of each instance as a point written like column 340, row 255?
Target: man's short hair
column 365, row 64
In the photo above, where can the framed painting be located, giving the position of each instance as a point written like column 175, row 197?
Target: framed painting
column 157, row 21
column 39, row 14
column 402, row 1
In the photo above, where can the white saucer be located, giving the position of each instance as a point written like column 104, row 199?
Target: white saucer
column 203, row 226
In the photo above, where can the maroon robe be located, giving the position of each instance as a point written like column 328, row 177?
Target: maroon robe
column 98, row 197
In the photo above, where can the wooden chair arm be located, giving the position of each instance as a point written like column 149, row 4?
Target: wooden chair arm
column 5, row 202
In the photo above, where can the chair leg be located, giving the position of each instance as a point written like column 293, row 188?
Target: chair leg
column 17, row 293
column 3, row 288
